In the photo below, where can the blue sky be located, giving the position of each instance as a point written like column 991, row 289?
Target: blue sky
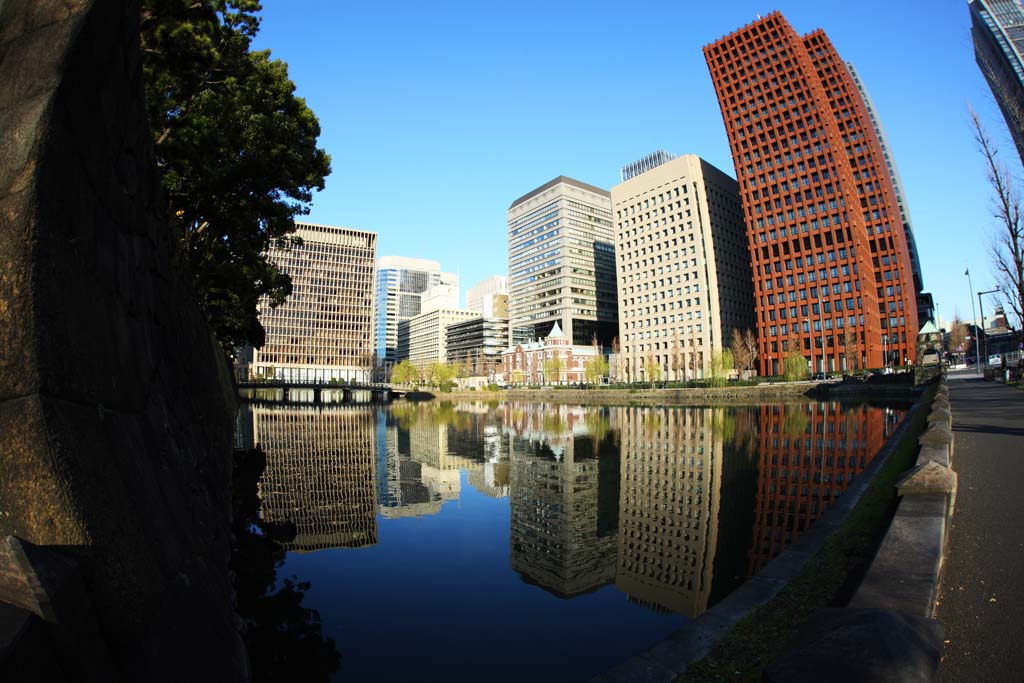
column 437, row 115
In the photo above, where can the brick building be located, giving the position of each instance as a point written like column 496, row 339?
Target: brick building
column 832, row 272
column 525, row 363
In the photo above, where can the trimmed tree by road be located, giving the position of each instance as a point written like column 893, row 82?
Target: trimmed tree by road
column 595, row 369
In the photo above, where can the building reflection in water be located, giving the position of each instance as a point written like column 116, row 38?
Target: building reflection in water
column 423, row 448
column 808, row 454
column 320, row 474
column 564, row 480
column 671, row 463
column 674, row 506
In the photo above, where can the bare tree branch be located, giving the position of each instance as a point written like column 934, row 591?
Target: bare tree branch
column 1007, row 247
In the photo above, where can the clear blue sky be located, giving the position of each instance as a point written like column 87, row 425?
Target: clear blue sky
column 437, row 115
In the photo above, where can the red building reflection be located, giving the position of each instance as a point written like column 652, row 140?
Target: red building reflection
column 808, row 454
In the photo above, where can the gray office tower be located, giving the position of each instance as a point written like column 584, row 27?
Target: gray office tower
column 997, row 28
column 561, row 263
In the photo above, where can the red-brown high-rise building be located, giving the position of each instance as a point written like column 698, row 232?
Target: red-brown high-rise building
column 832, row 275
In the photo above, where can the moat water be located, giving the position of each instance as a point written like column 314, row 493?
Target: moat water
column 503, row 540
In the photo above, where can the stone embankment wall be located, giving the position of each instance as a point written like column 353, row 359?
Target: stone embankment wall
column 115, row 403
column 904, row 576
column 741, row 395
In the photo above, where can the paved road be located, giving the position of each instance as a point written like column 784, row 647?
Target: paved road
column 981, row 596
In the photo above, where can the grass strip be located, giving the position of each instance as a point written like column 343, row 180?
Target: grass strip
column 760, row 637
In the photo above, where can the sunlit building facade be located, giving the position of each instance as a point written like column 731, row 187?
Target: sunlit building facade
column 481, row 297
column 683, row 268
column 423, row 340
column 551, row 360
column 324, row 330
column 832, row 272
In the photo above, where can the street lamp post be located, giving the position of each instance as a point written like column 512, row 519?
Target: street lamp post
column 977, row 335
column 807, row 321
column 982, row 307
column 821, row 321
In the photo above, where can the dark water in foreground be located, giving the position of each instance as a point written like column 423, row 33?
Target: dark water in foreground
column 504, row 541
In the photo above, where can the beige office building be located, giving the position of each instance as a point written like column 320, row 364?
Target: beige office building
column 424, row 339
column 683, row 269
column 561, row 263
column 324, row 330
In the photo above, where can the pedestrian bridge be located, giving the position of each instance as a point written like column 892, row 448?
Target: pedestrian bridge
column 317, row 393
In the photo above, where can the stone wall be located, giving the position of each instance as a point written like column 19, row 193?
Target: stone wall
column 115, row 409
column 730, row 395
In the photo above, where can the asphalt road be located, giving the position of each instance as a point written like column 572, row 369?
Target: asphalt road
column 981, row 594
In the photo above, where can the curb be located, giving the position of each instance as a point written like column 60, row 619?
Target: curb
column 904, row 576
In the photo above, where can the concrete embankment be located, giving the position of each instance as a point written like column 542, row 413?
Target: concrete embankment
column 698, row 396
column 729, row 395
column 897, row 644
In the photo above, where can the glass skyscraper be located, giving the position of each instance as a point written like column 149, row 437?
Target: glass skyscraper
column 997, row 28
column 398, row 295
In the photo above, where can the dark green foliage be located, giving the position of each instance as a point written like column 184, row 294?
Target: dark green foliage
column 237, row 150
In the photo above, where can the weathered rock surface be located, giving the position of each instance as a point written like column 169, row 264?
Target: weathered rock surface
column 115, row 425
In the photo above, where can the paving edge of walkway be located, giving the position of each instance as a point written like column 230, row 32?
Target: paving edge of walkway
column 670, row 657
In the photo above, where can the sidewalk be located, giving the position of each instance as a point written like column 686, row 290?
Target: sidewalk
column 981, row 596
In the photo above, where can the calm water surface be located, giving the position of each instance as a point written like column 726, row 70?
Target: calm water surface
column 496, row 541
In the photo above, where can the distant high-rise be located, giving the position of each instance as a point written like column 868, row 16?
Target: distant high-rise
column 832, row 273
column 423, row 340
column 997, row 28
column 683, row 268
column 561, row 263
column 398, row 296
column 324, row 330
column 480, row 297
column 442, row 295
